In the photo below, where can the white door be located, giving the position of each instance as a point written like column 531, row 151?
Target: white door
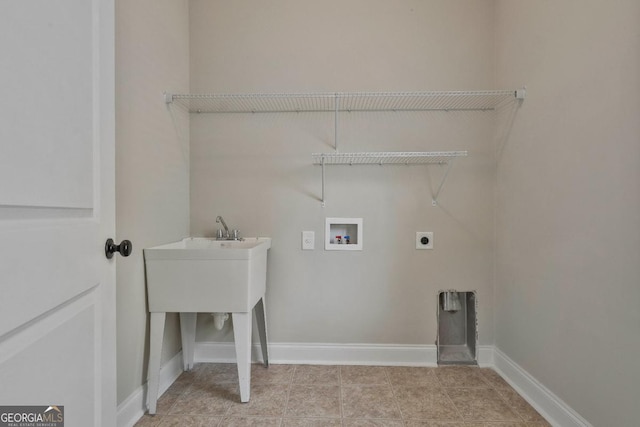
column 57, row 293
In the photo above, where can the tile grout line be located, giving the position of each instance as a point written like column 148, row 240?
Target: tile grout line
column 495, row 389
column 444, row 390
column 286, row 400
column 290, row 386
column 504, row 399
column 340, row 394
column 393, row 393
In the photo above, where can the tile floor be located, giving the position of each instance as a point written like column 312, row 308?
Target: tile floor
column 350, row 396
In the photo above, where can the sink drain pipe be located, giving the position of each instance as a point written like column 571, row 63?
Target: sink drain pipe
column 219, row 319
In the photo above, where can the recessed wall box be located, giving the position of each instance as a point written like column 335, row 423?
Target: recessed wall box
column 343, row 234
column 457, row 340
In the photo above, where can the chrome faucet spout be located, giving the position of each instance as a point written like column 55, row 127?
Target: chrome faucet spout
column 220, row 220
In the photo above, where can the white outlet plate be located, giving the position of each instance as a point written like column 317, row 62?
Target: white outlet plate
column 428, row 235
column 308, row 240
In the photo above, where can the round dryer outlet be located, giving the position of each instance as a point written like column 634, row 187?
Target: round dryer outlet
column 424, row 240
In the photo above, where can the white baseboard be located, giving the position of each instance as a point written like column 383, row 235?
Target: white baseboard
column 135, row 406
column 324, row 354
column 334, row 354
column 541, row 398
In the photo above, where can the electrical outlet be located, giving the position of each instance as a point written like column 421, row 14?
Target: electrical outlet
column 424, row 240
column 308, row 240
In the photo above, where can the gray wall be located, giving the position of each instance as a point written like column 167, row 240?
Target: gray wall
column 256, row 170
column 152, row 165
column 568, row 223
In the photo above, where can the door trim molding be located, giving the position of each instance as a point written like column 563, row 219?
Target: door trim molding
column 18, row 339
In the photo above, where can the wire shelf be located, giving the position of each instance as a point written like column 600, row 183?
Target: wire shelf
column 344, row 102
column 482, row 100
column 387, row 158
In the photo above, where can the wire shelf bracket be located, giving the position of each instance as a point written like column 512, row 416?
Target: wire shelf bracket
column 389, row 158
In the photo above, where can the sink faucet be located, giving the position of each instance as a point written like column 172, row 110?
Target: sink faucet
column 226, row 235
column 219, row 220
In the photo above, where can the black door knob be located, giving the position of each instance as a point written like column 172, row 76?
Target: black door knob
column 125, row 247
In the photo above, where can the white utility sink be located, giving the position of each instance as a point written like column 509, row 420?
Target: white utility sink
column 210, row 276
column 207, row 275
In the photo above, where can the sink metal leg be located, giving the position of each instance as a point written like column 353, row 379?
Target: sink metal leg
column 188, row 332
column 155, row 353
column 261, row 320
column 242, row 336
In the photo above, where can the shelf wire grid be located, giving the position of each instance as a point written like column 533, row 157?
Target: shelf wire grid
column 355, row 101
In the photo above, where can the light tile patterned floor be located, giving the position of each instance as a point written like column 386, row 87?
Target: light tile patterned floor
column 350, row 396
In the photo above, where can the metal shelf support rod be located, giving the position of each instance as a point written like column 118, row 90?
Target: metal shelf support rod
column 434, row 200
column 322, row 181
column 336, row 115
